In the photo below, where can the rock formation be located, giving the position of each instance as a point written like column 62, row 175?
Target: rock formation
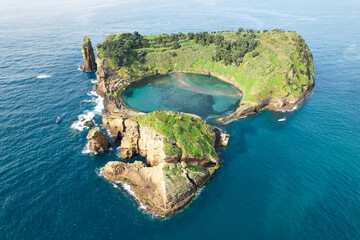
column 88, row 54
column 98, row 141
column 171, row 178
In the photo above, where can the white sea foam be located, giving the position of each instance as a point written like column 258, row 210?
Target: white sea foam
column 291, row 110
column 294, row 108
column 93, row 81
column 43, row 76
column 88, row 115
column 99, row 105
column 142, row 207
column 92, row 93
column 86, row 148
column 127, row 188
column 82, row 118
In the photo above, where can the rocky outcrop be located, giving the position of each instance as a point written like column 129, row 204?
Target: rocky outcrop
column 138, row 139
column 88, row 54
column 130, row 139
column 167, row 182
column 273, row 104
column 98, row 141
column 163, row 188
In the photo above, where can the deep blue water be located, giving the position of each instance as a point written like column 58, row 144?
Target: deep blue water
column 203, row 95
column 298, row 179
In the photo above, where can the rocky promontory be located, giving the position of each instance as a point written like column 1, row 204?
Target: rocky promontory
column 98, row 141
column 181, row 156
column 88, row 54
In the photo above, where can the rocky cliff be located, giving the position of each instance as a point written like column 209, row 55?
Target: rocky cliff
column 98, row 141
column 88, row 54
column 270, row 103
column 171, row 175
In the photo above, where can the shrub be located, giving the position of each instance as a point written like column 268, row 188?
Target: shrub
column 255, row 54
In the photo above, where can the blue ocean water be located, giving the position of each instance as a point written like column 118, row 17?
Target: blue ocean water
column 298, row 179
column 203, row 95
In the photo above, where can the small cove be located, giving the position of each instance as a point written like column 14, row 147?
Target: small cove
column 203, row 95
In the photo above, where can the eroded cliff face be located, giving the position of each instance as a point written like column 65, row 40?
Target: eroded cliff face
column 107, row 78
column 89, row 57
column 98, row 141
column 166, row 183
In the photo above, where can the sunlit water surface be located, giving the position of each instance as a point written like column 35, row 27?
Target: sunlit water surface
column 203, row 95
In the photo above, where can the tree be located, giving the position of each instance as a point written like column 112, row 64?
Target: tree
column 176, row 45
column 240, row 30
column 255, row 54
column 190, row 35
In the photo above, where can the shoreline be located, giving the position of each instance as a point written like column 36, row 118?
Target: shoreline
column 243, row 110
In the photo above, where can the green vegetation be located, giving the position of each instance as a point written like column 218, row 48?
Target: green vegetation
column 191, row 134
column 263, row 64
column 86, row 42
column 173, row 173
column 120, row 48
column 171, row 150
column 195, row 168
column 126, row 180
column 89, row 123
column 92, row 132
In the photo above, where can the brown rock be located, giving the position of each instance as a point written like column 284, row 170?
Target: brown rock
column 88, row 54
column 129, row 142
column 162, row 189
column 98, row 141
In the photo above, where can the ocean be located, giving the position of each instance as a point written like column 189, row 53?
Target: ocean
column 298, row 179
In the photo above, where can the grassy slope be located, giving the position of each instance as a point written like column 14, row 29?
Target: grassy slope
column 191, row 134
column 258, row 77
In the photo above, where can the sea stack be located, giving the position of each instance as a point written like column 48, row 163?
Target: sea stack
column 98, row 141
column 88, row 54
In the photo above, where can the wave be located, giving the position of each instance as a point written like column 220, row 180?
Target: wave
column 86, row 148
column 82, row 118
column 291, row 110
column 99, row 104
column 88, row 115
column 127, row 188
column 43, row 76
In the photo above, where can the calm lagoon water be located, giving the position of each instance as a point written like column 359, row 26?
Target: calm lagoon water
column 298, row 179
column 183, row 92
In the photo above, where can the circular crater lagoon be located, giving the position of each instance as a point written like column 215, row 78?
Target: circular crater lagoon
column 203, row 95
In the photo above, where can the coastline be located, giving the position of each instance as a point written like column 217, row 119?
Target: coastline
column 115, row 105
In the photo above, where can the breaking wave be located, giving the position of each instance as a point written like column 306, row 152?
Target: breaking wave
column 88, row 115
column 43, row 76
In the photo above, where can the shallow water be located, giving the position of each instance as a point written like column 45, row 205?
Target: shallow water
column 183, row 92
column 297, row 179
